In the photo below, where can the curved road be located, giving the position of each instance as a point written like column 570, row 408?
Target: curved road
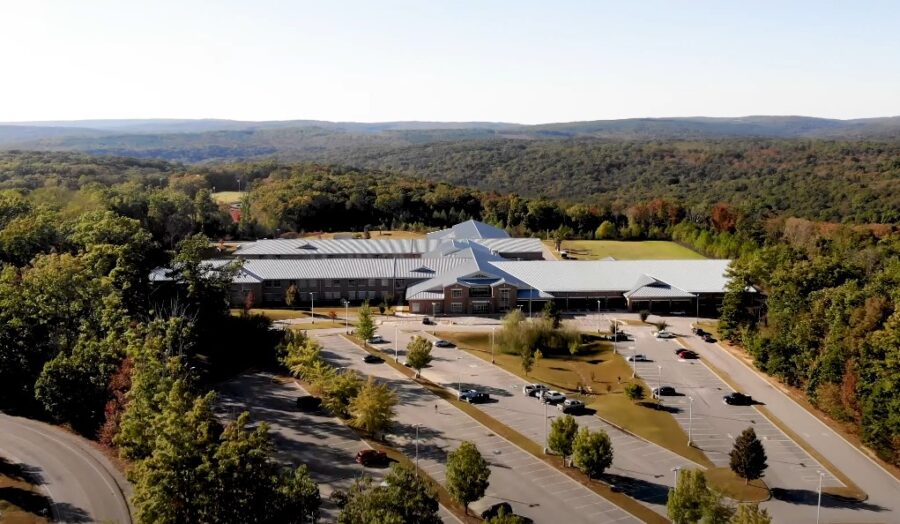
column 83, row 484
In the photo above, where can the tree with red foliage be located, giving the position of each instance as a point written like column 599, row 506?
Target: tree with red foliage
column 723, row 217
column 119, row 384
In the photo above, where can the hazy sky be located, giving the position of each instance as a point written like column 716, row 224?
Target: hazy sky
column 382, row 60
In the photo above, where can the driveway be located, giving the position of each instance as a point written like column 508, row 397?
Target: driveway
column 82, row 483
column 532, row 487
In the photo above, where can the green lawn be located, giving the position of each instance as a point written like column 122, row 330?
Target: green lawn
column 228, row 197
column 606, row 374
column 648, row 249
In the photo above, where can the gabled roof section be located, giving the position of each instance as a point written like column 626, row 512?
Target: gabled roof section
column 648, row 287
column 478, row 268
column 470, row 229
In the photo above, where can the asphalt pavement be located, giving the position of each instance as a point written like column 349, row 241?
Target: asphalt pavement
column 533, row 488
column 82, row 483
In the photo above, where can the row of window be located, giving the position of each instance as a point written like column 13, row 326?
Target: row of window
column 306, row 284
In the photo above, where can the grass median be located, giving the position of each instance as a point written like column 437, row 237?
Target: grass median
column 606, row 374
column 620, row 499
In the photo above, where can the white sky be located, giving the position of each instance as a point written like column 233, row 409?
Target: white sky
column 516, row 61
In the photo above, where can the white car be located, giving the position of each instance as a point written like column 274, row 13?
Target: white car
column 552, row 397
column 662, row 333
column 533, row 390
column 377, row 339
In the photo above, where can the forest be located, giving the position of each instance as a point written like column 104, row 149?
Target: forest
column 79, row 234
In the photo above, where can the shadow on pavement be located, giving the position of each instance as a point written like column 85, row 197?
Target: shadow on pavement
column 21, row 472
column 811, row 498
column 638, row 489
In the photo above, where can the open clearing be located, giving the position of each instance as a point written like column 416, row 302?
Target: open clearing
column 228, row 197
column 620, row 250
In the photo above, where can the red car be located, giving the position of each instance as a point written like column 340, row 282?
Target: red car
column 686, row 354
column 371, row 457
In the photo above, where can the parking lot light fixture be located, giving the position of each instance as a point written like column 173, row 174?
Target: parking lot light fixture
column 690, row 421
column 676, row 469
column 546, row 434
column 396, row 338
column 819, row 504
column 493, row 328
column 312, row 306
column 658, row 384
column 346, row 315
column 417, row 450
column 633, row 361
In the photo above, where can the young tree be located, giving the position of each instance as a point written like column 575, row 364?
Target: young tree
column 552, row 314
column 338, row 389
column 606, row 231
column 365, row 326
column 561, row 234
column 418, row 353
column 562, row 435
column 415, row 499
column 467, row 474
column 527, row 356
column 634, row 392
column 643, row 314
column 372, row 410
column 291, row 295
column 502, row 517
column 748, row 457
column 689, row 500
column 332, row 315
column 592, row 452
column 751, row 514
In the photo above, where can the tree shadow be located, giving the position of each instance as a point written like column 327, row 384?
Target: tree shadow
column 811, row 498
column 21, row 472
column 38, row 504
column 642, row 490
column 660, row 407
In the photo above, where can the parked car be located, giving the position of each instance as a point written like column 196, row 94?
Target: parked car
column 637, row 358
column 663, row 391
column 377, row 339
column 708, row 338
column 571, row 405
column 308, row 403
column 371, row 457
column 372, row 359
column 552, row 397
column 427, row 321
column 495, row 510
column 737, row 399
column 473, row 396
column 533, row 390
column 662, row 333
column 444, row 344
column 698, row 331
column 616, row 337
column 686, row 354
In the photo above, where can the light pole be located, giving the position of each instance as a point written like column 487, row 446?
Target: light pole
column 492, row 343
column 346, row 315
column 658, row 384
column 599, row 316
column 690, row 421
column 546, row 436
column 417, row 450
column 633, row 361
column 819, row 504
column 396, row 338
column 615, row 337
column 676, row 469
column 312, row 306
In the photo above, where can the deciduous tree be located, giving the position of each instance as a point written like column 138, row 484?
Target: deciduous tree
column 467, row 474
column 372, row 409
column 562, row 435
column 418, row 353
column 592, row 452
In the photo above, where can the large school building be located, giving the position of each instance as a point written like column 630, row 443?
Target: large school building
column 471, row 268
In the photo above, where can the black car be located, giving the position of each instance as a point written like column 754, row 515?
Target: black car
column 308, row 403
column 427, row 321
column 617, row 337
column 737, row 399
column 474, row 397
column 443, row 344
column 699, row 332
column 664, row 391
column 372, row 359
column 707, row 337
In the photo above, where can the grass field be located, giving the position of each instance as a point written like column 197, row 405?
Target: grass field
column 228, row 197
column 646, row 250
column 606, row 374
column 383, row 235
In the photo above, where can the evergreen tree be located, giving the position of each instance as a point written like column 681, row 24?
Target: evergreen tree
column 748, row 457
column 634, row 392
column 467, row 474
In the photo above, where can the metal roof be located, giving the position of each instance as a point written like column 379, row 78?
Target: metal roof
column 693, row 276
column 337, row 268
column 354, row 247
column 470, row 229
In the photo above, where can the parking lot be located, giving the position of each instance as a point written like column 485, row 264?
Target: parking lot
column 533, row 488
column 641, row 469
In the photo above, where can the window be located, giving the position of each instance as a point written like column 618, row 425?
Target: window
column 385, row 282
column 373, row 282
column 416, row 307
column 480, row 307
column 351, row 282
column 398, row 283
column 335, row 283
column 456, row 307
column 273, row 283
column 481, row 292
column 456, row 293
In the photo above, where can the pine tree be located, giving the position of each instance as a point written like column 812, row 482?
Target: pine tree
column 748, row 457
